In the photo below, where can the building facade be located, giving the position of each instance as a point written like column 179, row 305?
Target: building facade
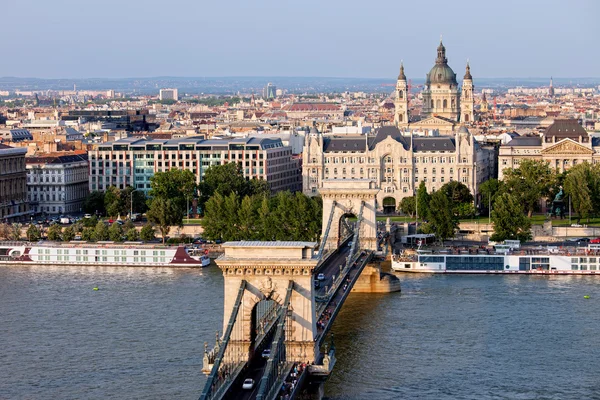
column 57, row 184
column 563, row 144
column 13, row 184
column 396, row 161
column 168, row 94
column 133, row 161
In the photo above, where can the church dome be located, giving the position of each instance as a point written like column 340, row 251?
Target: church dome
column 441, row 72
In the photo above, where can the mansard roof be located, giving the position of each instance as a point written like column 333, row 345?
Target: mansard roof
column 532, row 141
column 565, row 128
column 440, row 143
column 384, row 132
column 333, row 144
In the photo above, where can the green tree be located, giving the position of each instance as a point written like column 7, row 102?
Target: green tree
column 223, row 179
column 423, row 199
column 68, row 234
column 582, row 183
column 128, row 225
column 509, row 219
column 115, row 232
column 147, row 233
column 133, row 235
column 231, row 206
column 214, row 221
column 489, row 190
column 442, row 219
column 55, row 233
column 112, row 201
column 530, row 182
column 100, row 232
column 138, row 204
column 87, row 234
column 5, row 231
column 176, row 185
column 265, row 221
column 16, row 231
column 94, row 203
column 457, row 192
column 90, row 222
column 164, row 213
column 247, row 218
column 407, row 206
column 33, row 233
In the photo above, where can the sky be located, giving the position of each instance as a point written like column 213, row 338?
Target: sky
column 312, row 38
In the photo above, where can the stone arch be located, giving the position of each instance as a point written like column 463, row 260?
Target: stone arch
column 438, row 103
column 445, row 103
column 389, row 205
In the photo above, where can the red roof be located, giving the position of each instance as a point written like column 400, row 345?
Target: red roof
column 312, row 107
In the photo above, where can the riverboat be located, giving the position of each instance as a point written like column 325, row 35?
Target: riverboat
column 134, row 254
column 576, row 261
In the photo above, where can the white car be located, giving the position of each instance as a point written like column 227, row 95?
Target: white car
column 266, row 353
column 321, row 277
column 248, row 384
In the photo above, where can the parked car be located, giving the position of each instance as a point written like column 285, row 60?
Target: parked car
column 583, row 241
column 87, row 216
column 248, row 384
column 596, row 240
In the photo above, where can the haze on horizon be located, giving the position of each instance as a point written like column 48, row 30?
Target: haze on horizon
column 185, row 38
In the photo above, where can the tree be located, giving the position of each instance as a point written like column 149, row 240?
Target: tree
column 582, row 183
column 222, row 179
column 100, row 232
column 457, row 192
column 164, row 213
column 407, row 206
column 423, row 199
column 489, row 190
column 87, row 234
column 214, row 221
column 68, row 234
column 94, row 203
column 530, row 182
column 55, row 233
column 90, row 222
column 128, row 225
column 16, row 231
column 147, row 233
column 33, row 233
column 4, row 231
column 230, row 206
column 442, row 219
column 115, row 232
column 138, row 205
column 176, row 185
column 247, row 218
column 112, row 201
column 265, row 221
column 509, row 219
column 132, row 235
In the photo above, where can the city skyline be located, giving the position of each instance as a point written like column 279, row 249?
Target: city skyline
column 341, row 40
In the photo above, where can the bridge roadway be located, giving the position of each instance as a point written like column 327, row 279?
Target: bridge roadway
column 257, row 366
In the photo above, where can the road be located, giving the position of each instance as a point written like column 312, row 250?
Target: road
column 332, row 267
column 256, row 372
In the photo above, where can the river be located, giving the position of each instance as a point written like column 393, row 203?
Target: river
column 141, row 335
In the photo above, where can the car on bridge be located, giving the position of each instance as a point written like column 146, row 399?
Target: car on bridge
column 321, row 276
column 266, row 353
column 248, row 384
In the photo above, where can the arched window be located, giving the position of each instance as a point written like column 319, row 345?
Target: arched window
column 466, row 117
column 431, row 103
column 361, row 171
column 438, row 103
column 445, row 103
column 400, row 117
column 400, row 94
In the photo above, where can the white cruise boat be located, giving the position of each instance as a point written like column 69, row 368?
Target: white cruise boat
column 582, row 261
column 134, row 254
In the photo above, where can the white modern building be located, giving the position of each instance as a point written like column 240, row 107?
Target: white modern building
column 168, row 94
column 133, row 161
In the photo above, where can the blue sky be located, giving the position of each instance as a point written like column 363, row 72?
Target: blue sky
column 349, row 38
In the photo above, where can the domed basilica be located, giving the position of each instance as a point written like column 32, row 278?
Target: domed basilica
column 444, row 103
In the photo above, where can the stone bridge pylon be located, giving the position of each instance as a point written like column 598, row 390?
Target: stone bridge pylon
column 268, row 268
column 344, row 198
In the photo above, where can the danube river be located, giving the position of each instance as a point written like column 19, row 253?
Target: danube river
column 141, row 335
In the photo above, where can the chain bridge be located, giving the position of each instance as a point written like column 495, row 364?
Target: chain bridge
column 282, row 298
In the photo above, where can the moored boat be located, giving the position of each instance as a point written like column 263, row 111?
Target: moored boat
column 582, row 261
column 134, row 254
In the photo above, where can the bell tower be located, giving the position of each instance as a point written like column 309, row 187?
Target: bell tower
column 467, row 103
column 401, row 103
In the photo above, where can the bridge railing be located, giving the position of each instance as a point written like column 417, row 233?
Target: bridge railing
column 277, row 366
column 223, row 374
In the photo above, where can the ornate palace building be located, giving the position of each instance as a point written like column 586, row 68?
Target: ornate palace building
column 394, row 159
column 564, row 144
column 396, row 162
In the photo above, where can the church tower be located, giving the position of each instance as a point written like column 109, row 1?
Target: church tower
column 467, row 103
column 401, row 103
column 441, row 95
column 551, row 88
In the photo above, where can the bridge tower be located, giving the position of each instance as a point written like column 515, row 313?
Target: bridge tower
column 343, row 198
column 269, row 271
